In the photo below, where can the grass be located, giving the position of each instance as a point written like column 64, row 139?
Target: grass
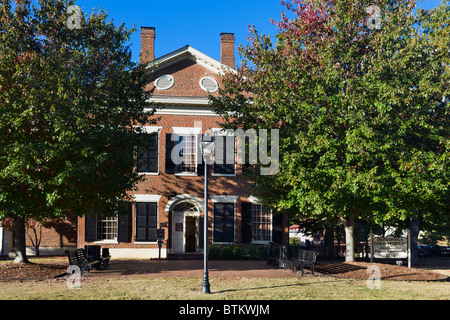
column 187, row 288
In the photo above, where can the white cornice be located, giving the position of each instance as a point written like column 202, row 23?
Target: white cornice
column 198, row 56
column 177, row 100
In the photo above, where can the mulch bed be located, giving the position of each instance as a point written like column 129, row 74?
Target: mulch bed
column 359, row 270
column 30, row 271
column 349, row 270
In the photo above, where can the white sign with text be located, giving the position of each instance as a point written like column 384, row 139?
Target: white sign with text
column 390, row 247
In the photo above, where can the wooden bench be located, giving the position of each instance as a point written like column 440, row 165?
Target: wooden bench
column 273, row 254
column 104, row 259
column 302, row 258
column 78, row 258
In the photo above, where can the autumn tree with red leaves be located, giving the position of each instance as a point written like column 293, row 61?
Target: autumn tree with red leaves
column 361, row 102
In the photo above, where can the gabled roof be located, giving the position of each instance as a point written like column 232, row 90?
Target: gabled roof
column 191, row 53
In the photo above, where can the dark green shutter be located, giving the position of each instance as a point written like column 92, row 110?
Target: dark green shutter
column 170, row 165
column 146, row 221
column 151, row 221
column 218, row 222
column 200, row 162
column 90, row 228
column 277, row 227
column 224, row 222
column 141, row 221
column 229, row 222
column 124, row 223
column 225, row 148
column 246, row 214
column 153, row 153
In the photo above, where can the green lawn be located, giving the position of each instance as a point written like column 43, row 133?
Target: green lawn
column 186, row 288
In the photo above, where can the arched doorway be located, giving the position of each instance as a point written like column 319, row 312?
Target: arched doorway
column 185, row 226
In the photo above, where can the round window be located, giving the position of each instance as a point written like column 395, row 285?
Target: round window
column 209, row 84
column 165, row 82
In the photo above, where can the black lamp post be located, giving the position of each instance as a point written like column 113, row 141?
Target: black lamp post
column 207, row 148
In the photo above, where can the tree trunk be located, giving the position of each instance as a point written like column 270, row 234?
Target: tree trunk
column 20, row 240
column 329, row 241
column 349, row 225
column 414, row 229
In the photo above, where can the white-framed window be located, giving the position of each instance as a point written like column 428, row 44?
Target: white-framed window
column 187, row 146
column 107, row 227
column 261, row 224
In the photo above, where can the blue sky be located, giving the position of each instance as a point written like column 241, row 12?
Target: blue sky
column 197, row 23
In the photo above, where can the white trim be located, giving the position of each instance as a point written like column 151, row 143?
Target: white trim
column 149, row 173
column 146, row 197
column 197, row 56
column 254, row 200
column 223, row 199
column 137, row 253
column 187, row 130
column 185, row 111
column 174, row 201
column 115, row 241
column 179, row 100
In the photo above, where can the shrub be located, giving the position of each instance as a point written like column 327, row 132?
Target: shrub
column 236, row 252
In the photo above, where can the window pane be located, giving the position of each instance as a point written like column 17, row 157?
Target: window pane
column 261, row 223
column 106, row 227
column 187, row 149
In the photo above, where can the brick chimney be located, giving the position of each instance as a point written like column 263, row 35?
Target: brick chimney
column 147, row 45
column 227, row 49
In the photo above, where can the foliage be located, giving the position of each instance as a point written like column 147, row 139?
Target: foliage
column 68, row 99
column 362, row 113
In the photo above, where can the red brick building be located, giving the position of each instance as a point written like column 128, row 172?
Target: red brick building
column 171, row 196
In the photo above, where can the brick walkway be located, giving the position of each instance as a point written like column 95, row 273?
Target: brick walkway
column 190, row 268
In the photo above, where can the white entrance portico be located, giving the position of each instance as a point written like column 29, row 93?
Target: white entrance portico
column 185, row 211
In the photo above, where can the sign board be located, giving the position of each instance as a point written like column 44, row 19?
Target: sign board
column 160, row 234
column 179, row 227
column 390, row 247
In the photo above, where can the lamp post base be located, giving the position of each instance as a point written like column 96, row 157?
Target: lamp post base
column 205, row 285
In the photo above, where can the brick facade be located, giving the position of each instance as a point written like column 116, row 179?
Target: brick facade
column 185, row 108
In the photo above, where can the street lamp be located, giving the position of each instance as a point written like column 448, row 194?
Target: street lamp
column 207, row 146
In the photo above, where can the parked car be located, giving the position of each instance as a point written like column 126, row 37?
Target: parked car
column 445, row 251
column 433, row 250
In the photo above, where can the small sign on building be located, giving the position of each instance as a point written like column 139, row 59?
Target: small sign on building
column 390, row 247
column 160, row 235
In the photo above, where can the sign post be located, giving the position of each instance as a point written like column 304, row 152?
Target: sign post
column 160, row 236
column 409, row 248
column 371, row 245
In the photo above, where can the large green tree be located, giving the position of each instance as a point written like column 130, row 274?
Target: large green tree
column 361, row 102
column 69, row 96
